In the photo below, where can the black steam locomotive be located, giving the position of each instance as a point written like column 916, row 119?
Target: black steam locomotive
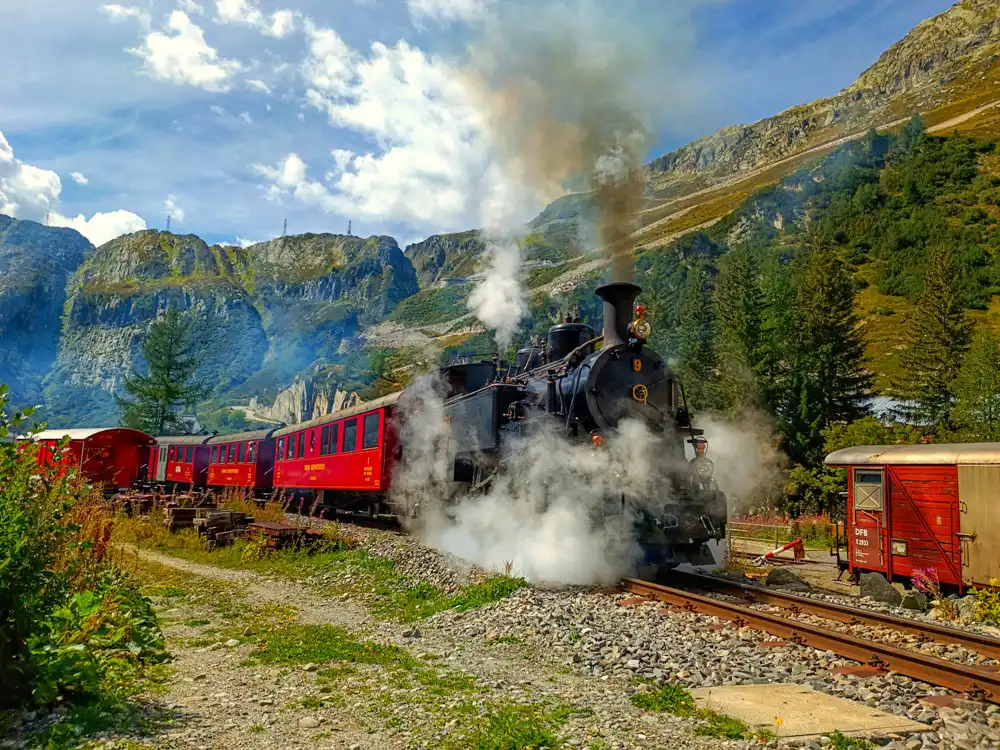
column 587, row 393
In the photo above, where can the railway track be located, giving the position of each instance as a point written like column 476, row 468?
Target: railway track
column 927, row 632
column 979, row 683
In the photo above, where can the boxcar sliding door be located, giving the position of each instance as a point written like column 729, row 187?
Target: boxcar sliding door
column 868, row 519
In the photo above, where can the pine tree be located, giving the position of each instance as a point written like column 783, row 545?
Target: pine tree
column 937, row 335
column 696, row 341
column 740, row 304
column 169, row 385
column 829, row 382
column 977, row 387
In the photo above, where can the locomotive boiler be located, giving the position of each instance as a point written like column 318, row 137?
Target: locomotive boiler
column 587, row 385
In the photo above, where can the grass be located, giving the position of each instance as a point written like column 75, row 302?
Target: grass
column 839, row 741
column 676, row 700
column 304, row 644
column 512, row 727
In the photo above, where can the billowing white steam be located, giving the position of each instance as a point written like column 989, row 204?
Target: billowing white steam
column 545, row 515
column 499, row 301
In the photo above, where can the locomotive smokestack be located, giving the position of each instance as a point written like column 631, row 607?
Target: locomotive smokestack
column 619, row 299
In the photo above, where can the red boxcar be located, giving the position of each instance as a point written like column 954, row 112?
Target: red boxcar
column 243, row 460
column 924, row 506
column 179, row 460
column 112, row 458
column 341, row 454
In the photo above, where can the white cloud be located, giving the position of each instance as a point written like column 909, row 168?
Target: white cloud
column 173, row 209
column 78, row 178
column 279, row 24
column 28, row 192
column 101, row 228
column 245, row 116
column 448, row 10
column 125, row 13
column 184, row 57
column 434, row 169
column 240, row 242
column 191, row 7
column 218, row 111
column 288, row 177
column 258, row 85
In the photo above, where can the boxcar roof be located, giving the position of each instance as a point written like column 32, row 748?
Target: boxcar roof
column 83, row 433
column 378, row 403
column 924, row 453
column 184, row 439
column 240, row 437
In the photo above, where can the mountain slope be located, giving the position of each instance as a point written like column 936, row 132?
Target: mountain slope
column 262, row 315
column 35, row 263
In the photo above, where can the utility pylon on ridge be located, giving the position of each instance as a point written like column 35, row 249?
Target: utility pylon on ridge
column 168, row 222
column 284, row 230
column 349, row 224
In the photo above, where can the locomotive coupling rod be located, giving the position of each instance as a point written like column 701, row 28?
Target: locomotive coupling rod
column 981, row 644
column 951, row 675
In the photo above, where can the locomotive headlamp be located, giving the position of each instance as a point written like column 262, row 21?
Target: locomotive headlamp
column 703, row 467
column 640, row 326
column 640, row 393
column 597, row 439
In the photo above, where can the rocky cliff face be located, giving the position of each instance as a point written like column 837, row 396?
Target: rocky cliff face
column 447, row 256
column 302, row 401
column 35, row 263
column 261, row 315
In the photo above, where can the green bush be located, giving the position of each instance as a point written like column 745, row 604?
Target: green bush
column 73, row 627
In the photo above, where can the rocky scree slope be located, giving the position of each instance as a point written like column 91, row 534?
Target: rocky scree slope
column 261, row 315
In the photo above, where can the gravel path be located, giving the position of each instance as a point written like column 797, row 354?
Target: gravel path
column 221, row 701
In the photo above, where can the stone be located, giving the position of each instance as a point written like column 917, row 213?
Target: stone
column 879, row 589
column 411, row 633
column 309, row 667
column 231, row 643
column 967, row 609
column 914, row 600
column 783, row 578
column 309, row 722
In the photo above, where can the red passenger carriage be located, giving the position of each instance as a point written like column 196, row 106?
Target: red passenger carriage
column 245, row 460
column 179, row 460
column 112, row 458
column 345, row 457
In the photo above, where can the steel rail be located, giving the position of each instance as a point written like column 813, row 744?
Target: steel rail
column 977, row 683
column 928, row 632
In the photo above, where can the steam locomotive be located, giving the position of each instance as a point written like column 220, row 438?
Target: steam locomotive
column 349, row 461
column 589, row 393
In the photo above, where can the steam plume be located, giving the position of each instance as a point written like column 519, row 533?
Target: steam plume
column 567, row 91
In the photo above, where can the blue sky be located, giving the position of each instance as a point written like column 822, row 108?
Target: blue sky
column 237, row 114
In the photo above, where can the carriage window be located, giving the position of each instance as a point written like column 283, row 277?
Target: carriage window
column 369, row 438
column 189, row 454
column 350, row 435
column 214, row 455
column 290, row 447
column 302, row 445
column 232, row 453
column 334, row 435
column 281, row 449
column 170, row 454
column 324, row 440
column 868, row 477
column 240, row 455
column 312, row 440
column 251, row 452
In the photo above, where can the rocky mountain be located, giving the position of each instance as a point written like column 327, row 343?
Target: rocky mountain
column 263, row 315
column 912, row 75
column 35, row 263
